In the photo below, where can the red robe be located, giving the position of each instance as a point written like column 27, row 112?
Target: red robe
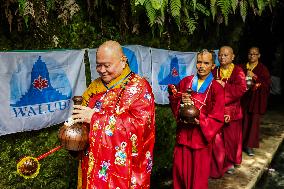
column 254, row 104
column 235, row 87
column 192, row 153
column 122, row 134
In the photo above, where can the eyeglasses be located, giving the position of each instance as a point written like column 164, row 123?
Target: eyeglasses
column 253, row 54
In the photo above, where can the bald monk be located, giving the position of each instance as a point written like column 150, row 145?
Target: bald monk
column 119, row 109
column 232, row 78
column 254, row 101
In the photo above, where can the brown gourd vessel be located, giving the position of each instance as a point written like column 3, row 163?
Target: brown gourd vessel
column 74, row 137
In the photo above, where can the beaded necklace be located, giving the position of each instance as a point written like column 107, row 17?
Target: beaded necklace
column 251, row 67
column 226, row 73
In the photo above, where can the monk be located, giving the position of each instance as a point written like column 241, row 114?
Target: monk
column 254, row 101
column 232, row 78
column 192, row 152
column 119, row 107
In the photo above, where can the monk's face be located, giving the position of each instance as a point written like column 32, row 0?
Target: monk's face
column 226, row 56
column 204, row 64
column 253, row 55
column 109, row 64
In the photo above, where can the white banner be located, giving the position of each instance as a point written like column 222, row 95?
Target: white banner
column 139, row 59
column 37, row 88
column 169, row 67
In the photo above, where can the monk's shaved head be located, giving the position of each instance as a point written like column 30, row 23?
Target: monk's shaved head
column 110, row 61
column 230, row 49
column 112, row 48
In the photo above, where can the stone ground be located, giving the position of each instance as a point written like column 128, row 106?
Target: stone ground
column 252, row 168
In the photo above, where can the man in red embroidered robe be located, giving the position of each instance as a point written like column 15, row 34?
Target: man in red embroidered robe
column 120, row 110
column 232, row 78
column 192, row 153
column 254, row 101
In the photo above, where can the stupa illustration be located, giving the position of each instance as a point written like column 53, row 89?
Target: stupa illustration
column 41, row 90
column 173, row 77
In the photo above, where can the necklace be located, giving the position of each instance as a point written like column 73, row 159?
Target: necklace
column 226, row 73
column 250, row 67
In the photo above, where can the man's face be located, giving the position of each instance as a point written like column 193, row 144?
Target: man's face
column 253, row 55
column 204, row 64
column 225, row 56
column 109, row 66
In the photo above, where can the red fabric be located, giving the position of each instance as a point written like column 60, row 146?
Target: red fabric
column 233, row 143
column 255, row 100
column 235, row 87
column 254, row 104
column 191, row 169
column 251, row 131
column 218, row 157
column 121, row 138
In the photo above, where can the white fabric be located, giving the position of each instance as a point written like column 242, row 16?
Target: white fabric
column 37, row 87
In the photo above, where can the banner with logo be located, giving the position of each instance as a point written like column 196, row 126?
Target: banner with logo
column 169, row 67
column 139, row 59
column 37, row 88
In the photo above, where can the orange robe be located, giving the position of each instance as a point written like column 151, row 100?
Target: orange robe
column 192, row 153
column 122, row 134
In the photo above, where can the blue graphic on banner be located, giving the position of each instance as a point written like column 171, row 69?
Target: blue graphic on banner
column 171, row 74
column 132, row 60
column 41, row 97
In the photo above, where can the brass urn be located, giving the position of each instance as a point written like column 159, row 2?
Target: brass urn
column 188, row 112
column 74, row 136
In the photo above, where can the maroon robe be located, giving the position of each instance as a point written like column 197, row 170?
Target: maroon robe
column 235, row 87
column 254, row 104
column 192, row 153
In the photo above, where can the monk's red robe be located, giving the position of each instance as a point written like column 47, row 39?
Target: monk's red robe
column 254, row 104
column 192, row 153
column 235, row 87
column 122, row 134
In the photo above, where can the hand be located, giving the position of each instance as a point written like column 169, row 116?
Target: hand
column 197, row 121
column 227, row 118
column 82, row 114
column 185, row 98
column 221, row 82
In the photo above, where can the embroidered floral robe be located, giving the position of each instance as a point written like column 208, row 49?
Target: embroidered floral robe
column 122, row 134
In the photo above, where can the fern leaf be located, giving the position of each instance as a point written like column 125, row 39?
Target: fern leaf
column 234, row 4
column 213, row 9
column 139, row 2
column 260, row 5
column 190, row 24
column 212, row 3
column 243, row 9
column 202, row 9
column 156, row 4
column 225, row 6
column 151, row 12
column 175, row 6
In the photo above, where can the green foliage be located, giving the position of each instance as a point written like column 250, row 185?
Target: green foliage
column 243, row 9
column 225, row 6
column 58, row 170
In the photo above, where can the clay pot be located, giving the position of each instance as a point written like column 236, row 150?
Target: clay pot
column 74, row 137
column 188, row 113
